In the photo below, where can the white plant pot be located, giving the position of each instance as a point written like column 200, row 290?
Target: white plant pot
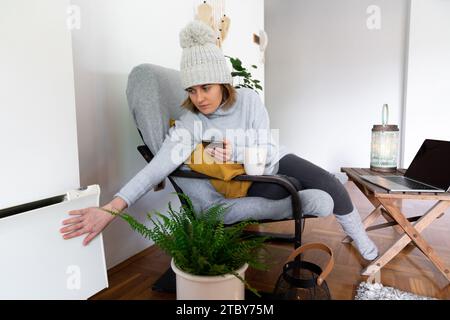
column 193, row 287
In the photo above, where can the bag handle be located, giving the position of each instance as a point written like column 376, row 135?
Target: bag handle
column 318, row 246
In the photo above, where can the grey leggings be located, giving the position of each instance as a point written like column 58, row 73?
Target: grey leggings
column 307, row 176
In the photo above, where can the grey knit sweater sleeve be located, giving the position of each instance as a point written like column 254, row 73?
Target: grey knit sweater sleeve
column 176, row 148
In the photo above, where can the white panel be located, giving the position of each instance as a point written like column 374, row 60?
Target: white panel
column 37, row 263
column 427, row 111
column 38, row 140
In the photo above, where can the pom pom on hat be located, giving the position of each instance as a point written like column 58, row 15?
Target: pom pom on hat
column 196, row 33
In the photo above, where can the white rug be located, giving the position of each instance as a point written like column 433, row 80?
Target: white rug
column 376, row 291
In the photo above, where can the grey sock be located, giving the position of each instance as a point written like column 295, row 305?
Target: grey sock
column 353, row 227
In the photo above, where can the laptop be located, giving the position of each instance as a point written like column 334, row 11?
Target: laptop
column 429, row 171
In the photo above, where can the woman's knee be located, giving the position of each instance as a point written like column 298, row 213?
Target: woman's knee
column 316, row 202
column 340, row 196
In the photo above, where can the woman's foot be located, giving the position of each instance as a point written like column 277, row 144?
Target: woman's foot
column 353, row 227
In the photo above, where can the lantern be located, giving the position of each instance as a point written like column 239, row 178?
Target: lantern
column 384, row 147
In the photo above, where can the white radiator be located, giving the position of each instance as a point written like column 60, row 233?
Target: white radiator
column 37, row 263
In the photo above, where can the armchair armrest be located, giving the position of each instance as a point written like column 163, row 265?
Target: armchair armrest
column 278, row 179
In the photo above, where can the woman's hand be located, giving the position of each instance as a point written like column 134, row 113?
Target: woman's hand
column 90, row 221
column 221, row 154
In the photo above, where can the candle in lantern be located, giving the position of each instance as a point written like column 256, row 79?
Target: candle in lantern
column 384, row 147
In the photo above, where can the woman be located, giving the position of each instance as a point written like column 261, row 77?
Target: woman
column 218, row 107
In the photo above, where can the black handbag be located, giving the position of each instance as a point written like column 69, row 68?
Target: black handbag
column 303, row 280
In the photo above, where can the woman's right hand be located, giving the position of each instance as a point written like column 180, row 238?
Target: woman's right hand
column 90, row 221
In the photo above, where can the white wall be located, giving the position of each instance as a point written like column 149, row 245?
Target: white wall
column 115, row 36
column 328, row 75
column 427, row 110
column 38, row 139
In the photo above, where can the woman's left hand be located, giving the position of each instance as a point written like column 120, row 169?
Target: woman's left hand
column 221, row 154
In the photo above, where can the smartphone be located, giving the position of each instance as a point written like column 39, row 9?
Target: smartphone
column 213, row 144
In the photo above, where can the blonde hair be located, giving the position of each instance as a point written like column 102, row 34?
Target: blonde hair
column 228, row 98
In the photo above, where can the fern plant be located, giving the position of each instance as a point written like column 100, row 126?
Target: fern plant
column 199, row 243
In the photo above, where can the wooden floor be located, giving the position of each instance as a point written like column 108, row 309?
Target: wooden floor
column 409, row 271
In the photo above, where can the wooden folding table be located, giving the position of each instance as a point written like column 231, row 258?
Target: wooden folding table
column 385, row 204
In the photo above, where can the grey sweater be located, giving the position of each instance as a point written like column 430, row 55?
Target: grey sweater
column 239, row 124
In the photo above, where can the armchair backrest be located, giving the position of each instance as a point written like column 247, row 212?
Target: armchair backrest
column 154, row 95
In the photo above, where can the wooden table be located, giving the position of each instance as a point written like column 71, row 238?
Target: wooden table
column 386, row 205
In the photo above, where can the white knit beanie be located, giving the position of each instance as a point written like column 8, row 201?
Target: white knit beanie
column 202, row 61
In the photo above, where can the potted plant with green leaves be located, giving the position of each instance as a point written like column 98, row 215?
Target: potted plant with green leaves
column 208, row 258
column 243, row 75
